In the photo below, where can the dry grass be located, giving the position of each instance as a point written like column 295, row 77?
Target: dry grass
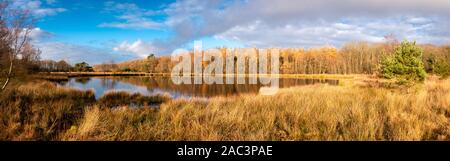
column 113, row 124
column 351, row 111
column 114, row 99
column 40, row 110
column 318, row 112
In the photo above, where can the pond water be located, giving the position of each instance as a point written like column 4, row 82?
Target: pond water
column 161, row 85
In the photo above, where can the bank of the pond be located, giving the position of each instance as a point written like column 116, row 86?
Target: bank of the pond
column 66, row 75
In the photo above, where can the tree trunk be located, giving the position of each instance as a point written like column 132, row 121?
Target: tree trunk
column 8, row 77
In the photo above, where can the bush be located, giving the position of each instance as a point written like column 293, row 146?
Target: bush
column 404, row 64
column 439, row 66
column 442, row 68
column 83, row 67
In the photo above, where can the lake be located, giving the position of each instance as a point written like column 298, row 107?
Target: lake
column 164, row 85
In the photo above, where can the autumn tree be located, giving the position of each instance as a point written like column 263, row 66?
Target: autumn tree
column 63, row 66
column 53, row 66
column 164, row 65
column 109, row 66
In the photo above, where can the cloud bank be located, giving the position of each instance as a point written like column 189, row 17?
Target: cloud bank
column 296, row 23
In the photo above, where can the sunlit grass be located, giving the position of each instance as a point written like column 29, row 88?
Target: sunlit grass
column 354, row 110
column 318, row 112
column 40, row 110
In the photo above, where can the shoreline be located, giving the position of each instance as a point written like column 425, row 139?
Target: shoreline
column 66, row 75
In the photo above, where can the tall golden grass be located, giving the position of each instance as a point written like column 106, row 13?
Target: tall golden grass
column 318, row 112
column 350, row 111
column 40, row 110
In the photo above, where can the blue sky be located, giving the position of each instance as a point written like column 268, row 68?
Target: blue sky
column 118, row 30
column 80, row 23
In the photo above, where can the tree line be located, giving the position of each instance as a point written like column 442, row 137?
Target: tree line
column 62, row 66
column 152, row 64
column 352, row 58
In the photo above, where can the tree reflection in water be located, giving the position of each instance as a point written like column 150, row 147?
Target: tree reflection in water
column 158, row 85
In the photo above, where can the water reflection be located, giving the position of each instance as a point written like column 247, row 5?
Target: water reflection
column 160, row 85
column 82, row 80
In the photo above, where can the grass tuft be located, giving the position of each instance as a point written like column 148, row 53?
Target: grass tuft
column 121, row 98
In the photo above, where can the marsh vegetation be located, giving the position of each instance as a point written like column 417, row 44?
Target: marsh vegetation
column 354, row 110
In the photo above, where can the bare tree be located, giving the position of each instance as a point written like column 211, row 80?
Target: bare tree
column 17, row 25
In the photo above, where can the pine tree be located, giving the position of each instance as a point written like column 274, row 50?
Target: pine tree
column 404, row 64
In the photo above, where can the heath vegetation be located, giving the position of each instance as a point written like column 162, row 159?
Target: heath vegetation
column 352, row 111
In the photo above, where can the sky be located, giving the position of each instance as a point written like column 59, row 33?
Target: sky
column 99, row 31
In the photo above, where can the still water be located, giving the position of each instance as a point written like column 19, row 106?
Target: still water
column 164, row 85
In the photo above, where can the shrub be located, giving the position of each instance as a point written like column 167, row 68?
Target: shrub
column 442, row 68
column 83, row 67
column 404, row 64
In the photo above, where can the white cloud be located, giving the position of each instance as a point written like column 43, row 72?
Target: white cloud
column 418, row 20
column 36, row 8
column 139, row 48
column 37, row 34
column 132, row 22
column 260, row 34
column 131, row 16
column 48, row 11
column 126, row 7
column 297, row 35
